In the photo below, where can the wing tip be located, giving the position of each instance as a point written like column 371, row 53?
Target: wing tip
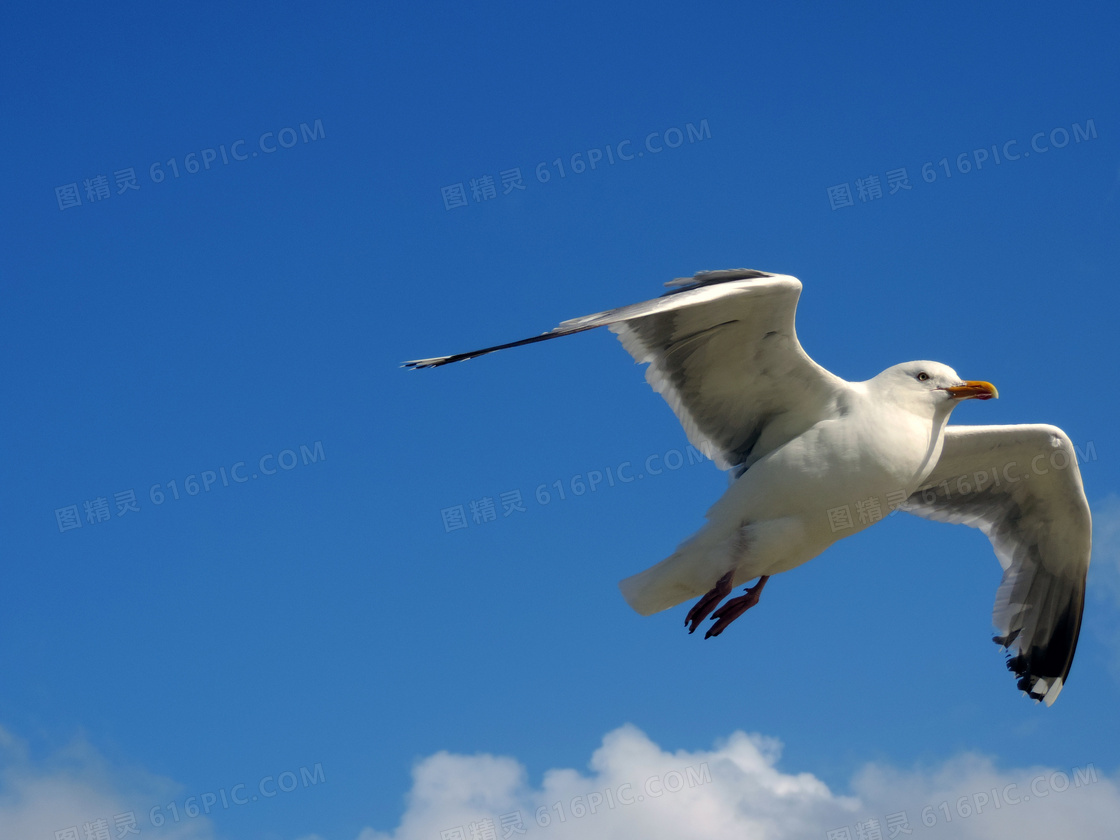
column 1040, row 691
column 1040, row 687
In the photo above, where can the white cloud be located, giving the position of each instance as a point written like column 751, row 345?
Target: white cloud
column 77, row 786
column 632, row 788
column 735, row 790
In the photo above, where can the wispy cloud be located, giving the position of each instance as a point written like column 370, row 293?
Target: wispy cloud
column 1104, row 571
column 77, row 790
column 1104, row 576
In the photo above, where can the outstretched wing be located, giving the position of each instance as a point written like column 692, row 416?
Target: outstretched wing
column 723, row 352
column 1020, row 485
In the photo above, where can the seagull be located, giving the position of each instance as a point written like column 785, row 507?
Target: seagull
column 814, row 458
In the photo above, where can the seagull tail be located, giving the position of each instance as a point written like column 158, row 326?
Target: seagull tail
column 687, row 573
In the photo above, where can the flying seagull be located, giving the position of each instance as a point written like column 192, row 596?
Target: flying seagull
column 814, row 458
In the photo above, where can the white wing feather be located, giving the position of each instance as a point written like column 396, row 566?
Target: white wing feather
column 723, row 352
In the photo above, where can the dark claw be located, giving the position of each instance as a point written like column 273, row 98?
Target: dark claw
column 728, row 613
column 735, row 608
column 709, row 602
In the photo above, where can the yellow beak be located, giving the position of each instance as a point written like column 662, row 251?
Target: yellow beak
column 974, row 390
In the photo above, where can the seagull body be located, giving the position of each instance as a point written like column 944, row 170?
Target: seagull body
column 774, row 517
column 814, row 459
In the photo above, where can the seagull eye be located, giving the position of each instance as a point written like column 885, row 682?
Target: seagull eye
column 923, row 376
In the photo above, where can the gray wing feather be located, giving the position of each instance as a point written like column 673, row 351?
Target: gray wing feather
column 1021, row 486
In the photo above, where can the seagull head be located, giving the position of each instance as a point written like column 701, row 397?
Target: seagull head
column 931, row 384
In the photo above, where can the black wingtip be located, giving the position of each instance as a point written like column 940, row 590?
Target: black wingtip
column 439, row 361
column 1043, row 670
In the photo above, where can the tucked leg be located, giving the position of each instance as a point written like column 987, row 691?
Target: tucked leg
column 735, row 608
column 710, row 601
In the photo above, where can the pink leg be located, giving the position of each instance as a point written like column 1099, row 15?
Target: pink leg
column 710, row 601
column 736, row 607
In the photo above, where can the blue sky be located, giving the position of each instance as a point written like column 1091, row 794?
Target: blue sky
column 340, row 206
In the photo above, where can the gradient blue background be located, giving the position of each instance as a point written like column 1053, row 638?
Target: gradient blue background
column 323, row 614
